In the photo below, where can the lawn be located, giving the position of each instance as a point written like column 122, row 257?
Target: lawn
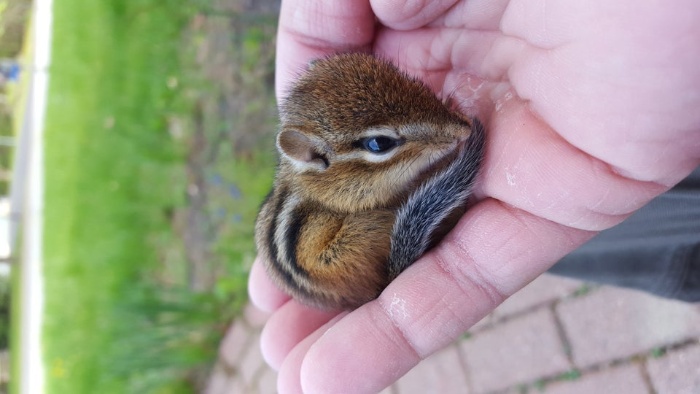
column 120, row 316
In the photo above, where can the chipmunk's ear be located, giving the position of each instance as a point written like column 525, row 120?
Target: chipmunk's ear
column 303, row 150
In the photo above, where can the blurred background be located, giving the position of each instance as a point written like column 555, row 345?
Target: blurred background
column 158, row 151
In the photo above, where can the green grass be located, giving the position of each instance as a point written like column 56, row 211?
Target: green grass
column 119, row 315
column 113, row 174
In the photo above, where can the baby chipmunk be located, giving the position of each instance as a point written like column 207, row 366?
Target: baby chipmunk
column 374, row 170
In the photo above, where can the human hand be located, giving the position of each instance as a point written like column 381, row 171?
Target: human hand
column 591, row 110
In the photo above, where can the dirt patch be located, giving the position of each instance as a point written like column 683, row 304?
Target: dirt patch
column 13, row 17
column 231, row 44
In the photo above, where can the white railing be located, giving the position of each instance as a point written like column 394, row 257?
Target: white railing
column 27, row 204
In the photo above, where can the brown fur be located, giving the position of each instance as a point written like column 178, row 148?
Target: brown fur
column 324, row 231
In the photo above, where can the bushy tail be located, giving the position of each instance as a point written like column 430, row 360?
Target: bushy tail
column 433, row 201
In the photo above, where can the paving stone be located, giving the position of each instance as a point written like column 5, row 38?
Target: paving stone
column 626, row 379
column 481, row 324
column 613, row 323
column 440, row 373
column 520, row 350
column 218, row 382
column 678, row 372
column 267, row 383
column 234, row 344
column 236, row 385
column 544, row 289
column 253, row 361
column 390, row 390
column 255, row 317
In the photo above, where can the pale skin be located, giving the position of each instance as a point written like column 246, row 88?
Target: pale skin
column 592, row 109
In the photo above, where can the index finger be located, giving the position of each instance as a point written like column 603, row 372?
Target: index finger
column 311, row 29
column 433, row 301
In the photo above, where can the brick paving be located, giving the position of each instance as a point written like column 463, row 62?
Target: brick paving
column 520, row 350
column 611, row 324
column 556, row 336
column 677, row 372
column 443, row 372
column 627, row 378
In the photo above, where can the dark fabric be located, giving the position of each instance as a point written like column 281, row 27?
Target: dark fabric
column 656, row 250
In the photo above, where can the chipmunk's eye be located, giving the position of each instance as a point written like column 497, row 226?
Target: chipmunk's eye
column 379, row 144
